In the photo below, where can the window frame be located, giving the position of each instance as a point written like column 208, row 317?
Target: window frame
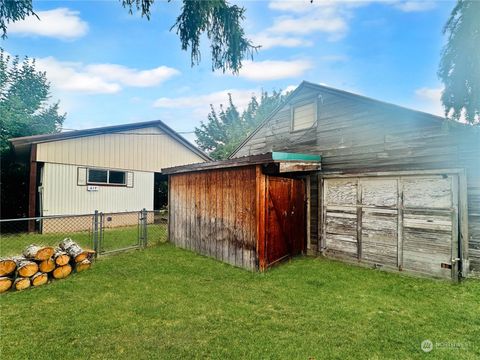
column 108, row 183
column 313, row 102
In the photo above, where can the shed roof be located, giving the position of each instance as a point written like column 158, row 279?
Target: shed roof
column 20, row 143
column 307, row 162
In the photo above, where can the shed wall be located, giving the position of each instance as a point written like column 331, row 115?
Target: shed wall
column 62, row 195
column 146, row 149
column 361, row 135
column 214, row 213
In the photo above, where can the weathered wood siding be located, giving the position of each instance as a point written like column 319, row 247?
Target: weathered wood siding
column 213, row 213
column 355, row 134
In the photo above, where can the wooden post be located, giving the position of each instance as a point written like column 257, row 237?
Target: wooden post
column 261, row 214
column 32, row 187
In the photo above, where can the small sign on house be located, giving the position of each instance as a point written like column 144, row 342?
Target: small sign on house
column 92, row 188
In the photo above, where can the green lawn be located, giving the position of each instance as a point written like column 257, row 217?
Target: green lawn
column 116, row 238
column 165, row 302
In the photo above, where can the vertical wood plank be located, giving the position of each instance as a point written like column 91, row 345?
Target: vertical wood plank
column 226, row 216
column 308, row 193
column 261, row 215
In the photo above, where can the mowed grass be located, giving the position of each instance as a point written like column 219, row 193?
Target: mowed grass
column 116, row 238
column 167, row 303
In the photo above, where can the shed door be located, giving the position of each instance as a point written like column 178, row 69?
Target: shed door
column 409, row 222
column 285, row 219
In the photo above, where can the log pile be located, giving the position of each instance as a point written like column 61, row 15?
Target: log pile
column 39, row 264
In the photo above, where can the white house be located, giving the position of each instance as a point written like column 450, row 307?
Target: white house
column 111, row 169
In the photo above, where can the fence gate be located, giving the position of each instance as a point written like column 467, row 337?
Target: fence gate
column 115, row 232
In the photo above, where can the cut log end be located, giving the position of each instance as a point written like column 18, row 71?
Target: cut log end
column 47, row 266
column 21, row 283
column 62, row 272
column 82, row 256
column 27, row 268
column 5, row 284
column 39, row 279
column 83, row 265
column 7, row 266
column 62, row 259
column 37, row 252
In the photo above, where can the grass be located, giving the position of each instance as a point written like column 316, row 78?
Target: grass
column 116, row 238
column 165, row 302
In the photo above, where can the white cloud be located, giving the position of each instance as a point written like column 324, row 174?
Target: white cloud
column 59, row 23
column 201, row 103
column 133, row 77
column 268, row 41
column 273, row 69
column 100, row 78
column 300, row 18
column 429, row 100
column 414, row 6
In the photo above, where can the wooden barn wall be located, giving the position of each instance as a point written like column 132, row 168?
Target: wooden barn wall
column 213, row 213
column 355, row 135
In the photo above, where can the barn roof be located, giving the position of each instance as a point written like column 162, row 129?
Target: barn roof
column 280, row 161
column 346, row 94
column 20, row 143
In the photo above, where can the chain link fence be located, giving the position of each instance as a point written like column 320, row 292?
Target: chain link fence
column 103, row 232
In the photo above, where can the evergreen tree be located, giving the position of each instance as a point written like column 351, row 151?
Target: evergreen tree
column 460, row 64
column 24, row 110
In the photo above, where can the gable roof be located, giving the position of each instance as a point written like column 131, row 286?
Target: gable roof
column 343, row 93
column 20, row 143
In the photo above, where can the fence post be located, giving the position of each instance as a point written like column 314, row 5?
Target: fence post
column 96, row 237
column 144, row 226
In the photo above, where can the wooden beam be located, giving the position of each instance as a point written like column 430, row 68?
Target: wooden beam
column 298, row 167
column 32, row 187
column 261, row 218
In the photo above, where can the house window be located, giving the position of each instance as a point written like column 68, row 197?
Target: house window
column 108, row 177
column 304, row 116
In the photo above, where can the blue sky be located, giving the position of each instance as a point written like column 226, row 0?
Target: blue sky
column 108, row 67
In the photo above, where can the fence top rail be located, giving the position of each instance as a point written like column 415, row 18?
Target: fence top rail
column 44, row 217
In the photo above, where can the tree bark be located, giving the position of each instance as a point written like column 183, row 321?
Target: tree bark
column 5, row 283
column 21, row 283
column 61, row 257
column 73, row 249
column 47, row 266
column 25, row 268
column 62, row 272
column 7, row 266
column 39, row 279
column 36, row 252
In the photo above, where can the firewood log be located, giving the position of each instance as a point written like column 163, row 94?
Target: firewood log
column 25, row 268
column 46, row 266
column 21, row 283
column 39, row 279
column 5, row 283
column 36, row 252
column 61, row 257
column 62, row 272
column 91, row 254
column 83, row 265
column 73, row 249
column 7, row 266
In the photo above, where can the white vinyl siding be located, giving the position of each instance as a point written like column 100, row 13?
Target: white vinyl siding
column 62, row 195
column 304, row 116
column 147, row 149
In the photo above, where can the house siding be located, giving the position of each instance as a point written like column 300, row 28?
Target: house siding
column 145, row 149
column 367, row 136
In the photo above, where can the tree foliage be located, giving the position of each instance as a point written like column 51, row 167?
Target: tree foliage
column 225, row 129
column 24, row 110
column 460, row 64
column 220, row 21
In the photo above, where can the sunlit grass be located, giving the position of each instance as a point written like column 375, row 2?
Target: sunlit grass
column 165, row 302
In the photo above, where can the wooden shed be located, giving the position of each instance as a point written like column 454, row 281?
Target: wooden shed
column 249, row 212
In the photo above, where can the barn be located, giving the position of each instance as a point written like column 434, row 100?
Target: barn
column 398, row 189
column 114, row 169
